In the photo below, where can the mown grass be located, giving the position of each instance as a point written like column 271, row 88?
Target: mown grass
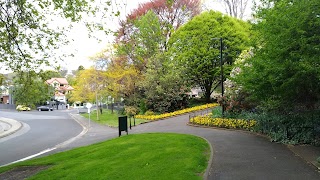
column 142, row 156
column 109, row 118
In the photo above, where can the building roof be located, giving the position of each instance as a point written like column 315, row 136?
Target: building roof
column 60, row 80
column 65, row 88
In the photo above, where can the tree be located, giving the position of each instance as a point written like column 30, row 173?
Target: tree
column 145, row 42
column 30, row 90
column 163, row 88
column 87, row 85
column 235, row 8
column 26, row 36
column 148, row 28
column 194, row 49
column 48, row 74
column 284, row 72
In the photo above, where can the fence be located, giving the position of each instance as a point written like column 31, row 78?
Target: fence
column 7, row 106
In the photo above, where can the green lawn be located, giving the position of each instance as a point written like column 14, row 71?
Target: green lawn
column 140, row 156
column 108, row 118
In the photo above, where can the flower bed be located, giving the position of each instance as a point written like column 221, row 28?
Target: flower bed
column 175, row 113
column 208, row 120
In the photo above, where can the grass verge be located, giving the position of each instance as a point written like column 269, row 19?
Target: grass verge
column 108, row 118
column 142, row 156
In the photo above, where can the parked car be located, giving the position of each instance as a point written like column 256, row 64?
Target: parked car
column 23, row 108
column 44, row 108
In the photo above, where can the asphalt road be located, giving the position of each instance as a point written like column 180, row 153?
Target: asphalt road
column 41, row 131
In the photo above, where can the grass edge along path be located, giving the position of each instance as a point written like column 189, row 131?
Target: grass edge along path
column 138, row 156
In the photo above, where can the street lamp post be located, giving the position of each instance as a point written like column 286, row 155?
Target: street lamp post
column 221, row 70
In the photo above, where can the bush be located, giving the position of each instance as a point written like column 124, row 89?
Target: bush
column 297, row 128
column 142, row 106
column 302, row 127
column 149, row 112
column 131, row 110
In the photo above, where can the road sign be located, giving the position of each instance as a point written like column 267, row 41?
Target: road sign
column 88, row 105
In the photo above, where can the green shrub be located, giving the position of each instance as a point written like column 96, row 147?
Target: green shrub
column 149, row 112
column 142, row 106
column 131, row 110
column 294, row 128
column 298, row 128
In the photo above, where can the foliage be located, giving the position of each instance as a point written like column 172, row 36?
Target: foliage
column 208, row 120
column 298, row 128
column 164, row 90
column 235, row 99
column 30, row 90
column 2, row 79
column 194, row 48
column 142, row 106
column 175, row 113
column 121, row 79
column 28, row 36
column 170, row 17
column 86, row 87
column 139, row 156
column 283, row 75
column 141, row 44
column 148, row 113
column 144, row 42
column 131, row 111
column 48, row 74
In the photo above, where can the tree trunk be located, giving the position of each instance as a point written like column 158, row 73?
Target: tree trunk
column 207, row 94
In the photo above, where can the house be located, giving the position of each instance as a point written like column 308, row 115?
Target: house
column 196, row 92
column 5, row 95
column 62, row 88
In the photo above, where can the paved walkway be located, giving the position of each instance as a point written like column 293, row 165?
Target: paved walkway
column 236, row 154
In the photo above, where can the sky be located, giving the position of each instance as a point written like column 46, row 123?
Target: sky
column 84, row 47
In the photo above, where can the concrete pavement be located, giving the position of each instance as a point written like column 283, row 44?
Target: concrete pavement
column 8, row 126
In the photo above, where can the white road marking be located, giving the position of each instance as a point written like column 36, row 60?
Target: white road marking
column 84, row 131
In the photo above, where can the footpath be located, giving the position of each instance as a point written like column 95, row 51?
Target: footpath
column 235, row 154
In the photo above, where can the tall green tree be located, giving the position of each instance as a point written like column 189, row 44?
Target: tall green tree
column 195, row 48
column 30, row 90
column 147, row 29
column 284, row 74
column 164, row 90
